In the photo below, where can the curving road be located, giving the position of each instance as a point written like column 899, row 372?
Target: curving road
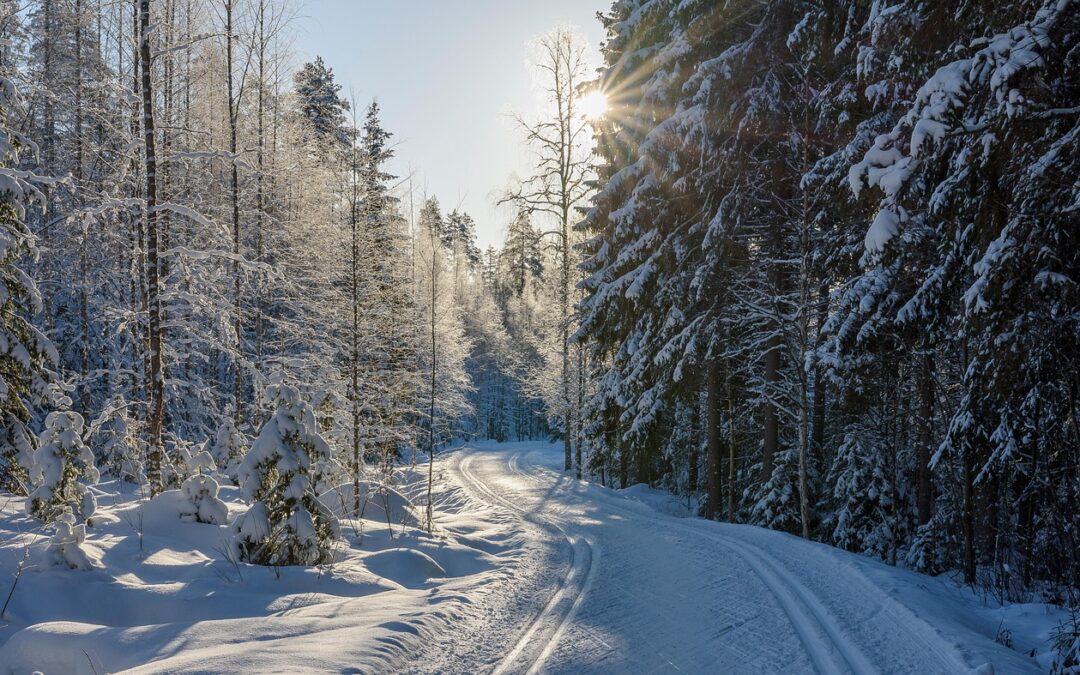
column 627, row 589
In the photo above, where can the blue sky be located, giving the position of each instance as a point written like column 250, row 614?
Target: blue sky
column 445, row 73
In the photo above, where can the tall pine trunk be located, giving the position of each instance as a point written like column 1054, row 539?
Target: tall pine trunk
column 924, row 450
column 712, row 435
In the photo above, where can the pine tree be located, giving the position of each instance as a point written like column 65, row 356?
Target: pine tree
column 115, row 435
column 59, row 463
column 320, row 100
column 25, row 352
column 287, row 524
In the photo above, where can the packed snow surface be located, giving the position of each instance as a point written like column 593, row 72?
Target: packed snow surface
column 529, row 570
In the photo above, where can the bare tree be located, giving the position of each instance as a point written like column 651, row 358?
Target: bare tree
column 562, row 142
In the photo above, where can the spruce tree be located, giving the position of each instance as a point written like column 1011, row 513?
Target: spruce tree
column 25, row 353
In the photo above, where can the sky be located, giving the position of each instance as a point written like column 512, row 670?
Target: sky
column 446, row 74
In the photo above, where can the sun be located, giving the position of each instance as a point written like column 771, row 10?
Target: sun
column 593, row 105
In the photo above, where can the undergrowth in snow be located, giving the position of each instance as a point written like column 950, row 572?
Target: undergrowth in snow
column 157, row 584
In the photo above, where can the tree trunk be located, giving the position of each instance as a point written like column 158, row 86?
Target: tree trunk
column 804, row 497
column 234, row 193
column 84, row 271
column 1029, row 503
column 260, row 199
column 732, row 468
column 712, row 435
column 771, row 422
column 354, row 352
column 817, row 433
column 925, row 495
column 157, row 378
column 580, row 425
column 695, row 439
column 968, row 517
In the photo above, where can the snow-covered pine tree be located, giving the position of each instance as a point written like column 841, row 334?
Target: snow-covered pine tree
column 970, row 238
column 59, row 463
column 25, row 352
column 201, row 503
column 117, row 441
column 321, row 104
column 388, row 306
column 227, row 448
column 859, row 478
column 65, row 544
column 286, row 524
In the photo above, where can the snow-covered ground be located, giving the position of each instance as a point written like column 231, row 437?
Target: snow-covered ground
column 528, row 570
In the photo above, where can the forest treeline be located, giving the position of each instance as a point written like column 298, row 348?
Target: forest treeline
column 814, row 268
column 196, row 232
column 832, row 274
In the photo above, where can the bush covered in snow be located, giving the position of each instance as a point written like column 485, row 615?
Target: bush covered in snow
column 60, row 461
column 227, row 449
column 65, row 545
column 118, row 444
column 201, row 503
column 198, row 461
column 1066, row 639
column 287, row 524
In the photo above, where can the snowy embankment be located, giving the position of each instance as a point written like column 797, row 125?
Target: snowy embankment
column 166, row 595
column 527, row 569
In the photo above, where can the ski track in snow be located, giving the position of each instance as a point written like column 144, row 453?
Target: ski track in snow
column 791, row 606
column 534, row 647
column 540, row 573
column 817, row 629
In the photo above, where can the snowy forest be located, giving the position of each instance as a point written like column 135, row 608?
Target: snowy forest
column 810, row 267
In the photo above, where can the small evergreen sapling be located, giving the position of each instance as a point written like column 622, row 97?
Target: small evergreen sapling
column 119, row 444
column 198, row 461
column 777, row 505
column 65, row 545
column 861, row 492
column 287, row 524
column 227, row 448
column 61, row 460
column 202, row 504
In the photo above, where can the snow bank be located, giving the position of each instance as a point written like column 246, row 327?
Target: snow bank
column 406, row 566
column 164, row 594
column 377, row 503
column 659, row 500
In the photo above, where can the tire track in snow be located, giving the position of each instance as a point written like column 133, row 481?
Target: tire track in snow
column 538, row 641
column 820, row 633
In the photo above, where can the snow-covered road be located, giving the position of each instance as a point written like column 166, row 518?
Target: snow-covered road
column 618, row 587
column 528, row 570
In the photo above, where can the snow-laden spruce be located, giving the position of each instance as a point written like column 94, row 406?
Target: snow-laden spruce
column 59, row 463
column 287, row 524
column 25, row 352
